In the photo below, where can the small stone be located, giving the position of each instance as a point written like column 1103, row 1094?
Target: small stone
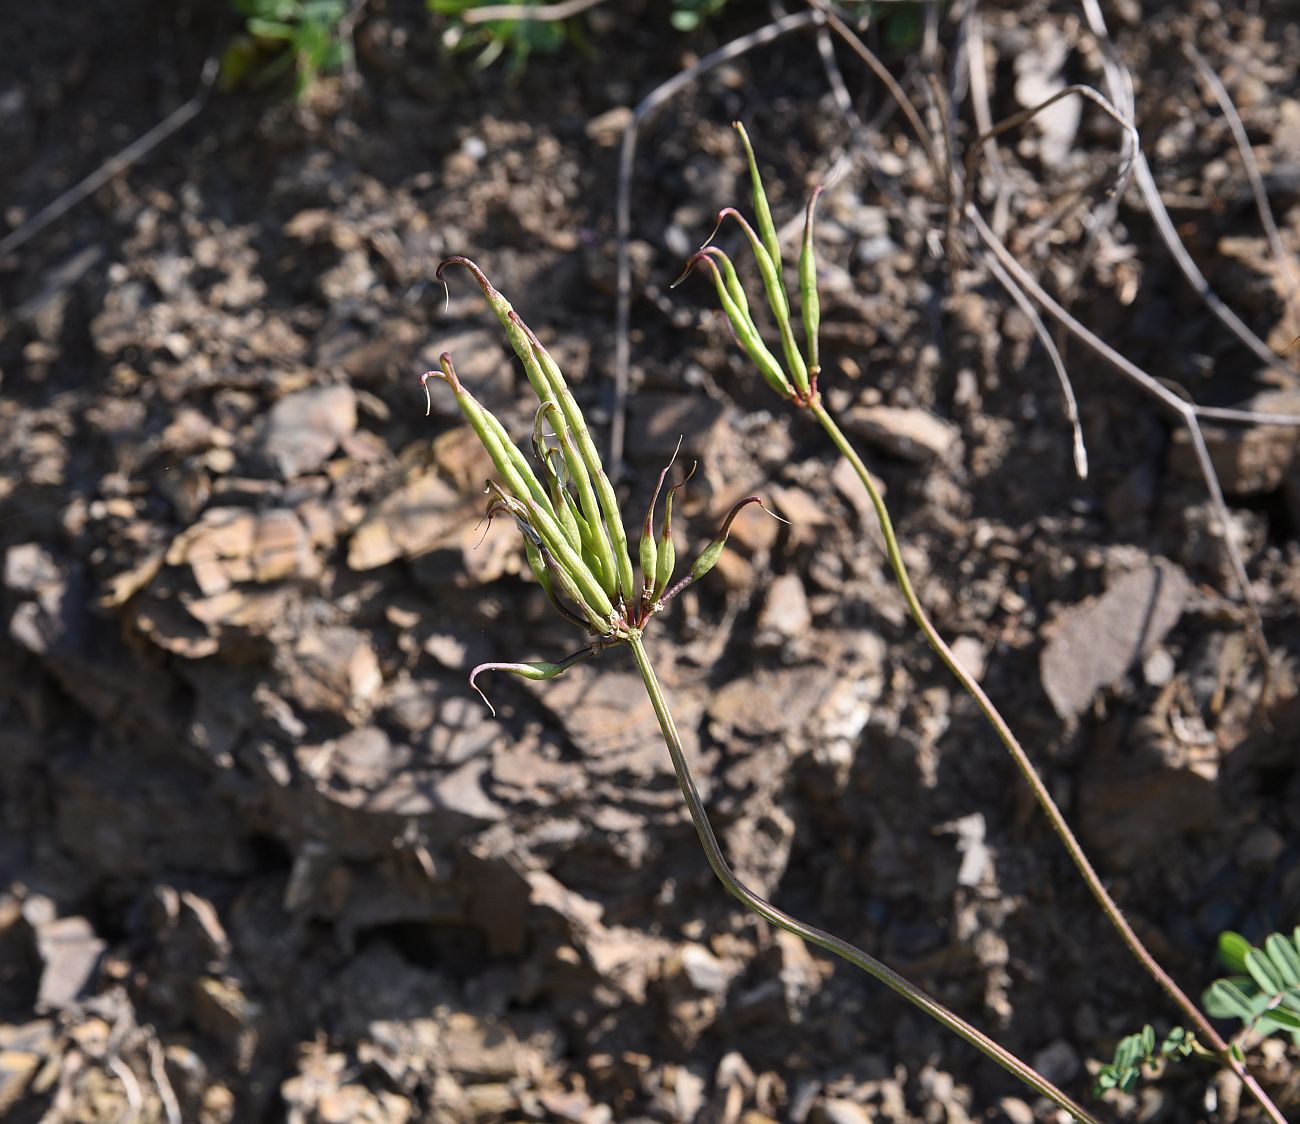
column 359, row 760
column 688, row 1092
column 704, row 970
column 767, row 702
column 1134, row 802
column 836, row 1110
column 846, row 482
column 1058, row 1062
column 479, row 1049
column 16, row 1071
column 1096, row 642
column 905, row 432
column 281, row 548
column 222, row 1010
column 976, row 858
column 785, row 617
column 70, row 953
column 462, row 791
column 607, row 128
column 481, row 364
column 1158, row 668
column 1015, row 1111
column 801, row 972
column 971, row 656
column 338, row 670
column 420, row 514
column 1260, row 849
column 29, row 568
column 23, row 1050
column 1249, row 460
column 667, row 418
column 304, row 429
column 217, row 548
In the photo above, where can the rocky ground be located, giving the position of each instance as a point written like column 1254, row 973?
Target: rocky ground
column 265, row 857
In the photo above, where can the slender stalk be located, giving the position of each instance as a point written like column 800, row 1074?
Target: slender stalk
column 1027, row 770
column 810, row 933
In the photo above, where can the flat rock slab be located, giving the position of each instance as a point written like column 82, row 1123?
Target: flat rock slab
column 905, row 432
column 303, row 429
column 1098, row 640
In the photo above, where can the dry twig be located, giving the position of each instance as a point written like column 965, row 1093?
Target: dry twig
column 138, row 148
column 1266, row 220
column 1120, row 83
column 541, row 13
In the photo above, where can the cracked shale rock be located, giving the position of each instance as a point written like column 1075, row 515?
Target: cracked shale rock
column 1096, row 642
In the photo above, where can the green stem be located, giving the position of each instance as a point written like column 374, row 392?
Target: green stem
column 831, row 943
column 1027, row 770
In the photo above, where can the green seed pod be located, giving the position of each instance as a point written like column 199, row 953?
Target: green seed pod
column 809, row 300
column 667, row 548
column 549, row 385
column 509, row 461
column 552, row 465
column 536, row 524
column 536, row 672
column 506, row 314
column 710, row 554
column 563, row 505
column 649, row 558
column 597, row 542
column 667, row 562
column 586, row 448
column 593, row 555
column 570, row 564
column 768, row 270
column 761, row 210
column 649, row 549
column 774, row 286
column 538, row 567
column 565, row 580
column 734, row 287
column 743, row 326
column 707, row 560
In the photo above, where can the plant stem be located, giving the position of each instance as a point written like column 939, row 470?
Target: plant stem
column 833, row 944
column 1027, row 770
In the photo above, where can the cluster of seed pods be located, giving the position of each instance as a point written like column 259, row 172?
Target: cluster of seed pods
column 566, row 508
column 796, row 379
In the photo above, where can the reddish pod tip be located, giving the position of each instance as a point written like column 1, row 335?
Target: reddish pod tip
column 703, row 254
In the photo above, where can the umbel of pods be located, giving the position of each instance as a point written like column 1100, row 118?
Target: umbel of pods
column 576, row 546
column 566, row 509
column 791, row 382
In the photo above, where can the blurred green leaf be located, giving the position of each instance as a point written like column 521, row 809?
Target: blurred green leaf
column 1285, row 957
column 1232, row 951
column 1229, row 999
column 283, row 35
column 1263, row 972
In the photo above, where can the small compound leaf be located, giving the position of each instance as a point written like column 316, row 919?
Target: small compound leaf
column 1291, row 1000
column 1178, row 1044
column 1263, row 972
column 1285, row 958
column 1226, row 999
column 1232, row 951
column 1279, row 1018
column 1128, row 1053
